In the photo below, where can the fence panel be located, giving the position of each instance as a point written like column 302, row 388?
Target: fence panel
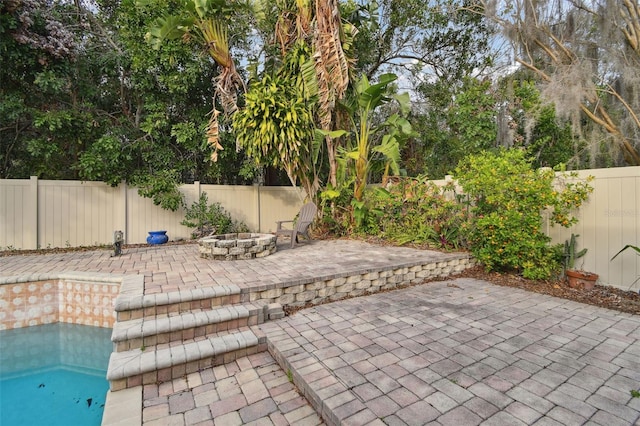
column 18, row 228
column 608, row 221
column 278, row 203
column 35, row 213
column 241, row 202
column 72, row 213
column 143, row 216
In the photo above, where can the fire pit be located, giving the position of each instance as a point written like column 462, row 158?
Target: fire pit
column 237, row 246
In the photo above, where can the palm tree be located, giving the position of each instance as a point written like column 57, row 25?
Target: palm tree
column 323, row 29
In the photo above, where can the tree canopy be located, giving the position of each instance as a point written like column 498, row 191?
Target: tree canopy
column 155, row 93
column 586, row 56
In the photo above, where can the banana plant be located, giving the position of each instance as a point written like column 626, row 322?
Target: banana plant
column 368, row 97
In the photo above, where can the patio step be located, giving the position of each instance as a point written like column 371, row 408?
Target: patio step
column 149, row 331
column 177, row 302
column 160, row 364
column 161, row 337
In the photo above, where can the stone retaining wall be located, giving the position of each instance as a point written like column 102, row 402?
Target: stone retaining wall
column 338, row 288
column 237, row 246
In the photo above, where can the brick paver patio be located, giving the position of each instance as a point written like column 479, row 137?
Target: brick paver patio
column 463, row 352
column 456, row 352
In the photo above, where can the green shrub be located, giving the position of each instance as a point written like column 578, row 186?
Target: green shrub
column 415, row 210
column 412, row 210
column 337, row 215
column 507, row 199
column 210, row 219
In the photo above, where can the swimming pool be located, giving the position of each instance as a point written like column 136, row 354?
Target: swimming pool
column 53, row 374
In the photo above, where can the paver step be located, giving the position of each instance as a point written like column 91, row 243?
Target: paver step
column 128, row 308
column 148, row 332
column 137, row 367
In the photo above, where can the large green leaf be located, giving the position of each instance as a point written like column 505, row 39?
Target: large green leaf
column 167, row 28
column 628, row 246
column 390, row 149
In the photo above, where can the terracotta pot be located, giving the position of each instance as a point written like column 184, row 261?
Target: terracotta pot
column 581, row 279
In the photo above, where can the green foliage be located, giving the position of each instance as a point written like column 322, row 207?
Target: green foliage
column 414, row 210
column 275, row 126
column 411, row 210
column 547, row 139
column 508, row 197
column 86, row 98
column 361, row 107
column 161, row 187
column 337, row 211
column 444, row 38
column 625, row 248
column 628, row 246
column 209, row 219
column 105, row 160
column 461, row 121
column 472, row 117
column 49, row 105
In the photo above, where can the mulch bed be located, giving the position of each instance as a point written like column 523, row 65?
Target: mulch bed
column 603, row 296
column 56, row 250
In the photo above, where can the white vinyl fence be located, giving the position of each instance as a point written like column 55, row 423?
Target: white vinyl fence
column 607, row 222
column 40, row 214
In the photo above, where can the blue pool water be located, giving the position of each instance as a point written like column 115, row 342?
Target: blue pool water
column 53, row 375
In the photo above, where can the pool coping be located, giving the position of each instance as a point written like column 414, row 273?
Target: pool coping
column 123, row 408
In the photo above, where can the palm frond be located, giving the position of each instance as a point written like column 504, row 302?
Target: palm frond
column 332, row 66
column 628, row 246
column 216, row 40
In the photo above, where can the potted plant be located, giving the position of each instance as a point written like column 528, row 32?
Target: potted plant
column 576, row 278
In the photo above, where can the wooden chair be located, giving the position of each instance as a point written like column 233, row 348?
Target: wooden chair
column 300, row 226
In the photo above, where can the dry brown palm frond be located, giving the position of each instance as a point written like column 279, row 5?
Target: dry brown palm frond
column 213, row 135
column 304, row 18
column 284, row 32
column 332, row 66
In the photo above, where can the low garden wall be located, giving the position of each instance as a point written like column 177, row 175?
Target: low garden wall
column 336, row 288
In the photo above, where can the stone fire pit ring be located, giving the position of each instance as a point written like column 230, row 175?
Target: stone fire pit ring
column 240, row 246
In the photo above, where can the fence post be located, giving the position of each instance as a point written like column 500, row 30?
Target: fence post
column 125, row 212
column 197, row 189
column 32, row 239
column 259, row 204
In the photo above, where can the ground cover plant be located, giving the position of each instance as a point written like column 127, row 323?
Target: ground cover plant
column 405, row 211
column 496, row 212
column 415, row 210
